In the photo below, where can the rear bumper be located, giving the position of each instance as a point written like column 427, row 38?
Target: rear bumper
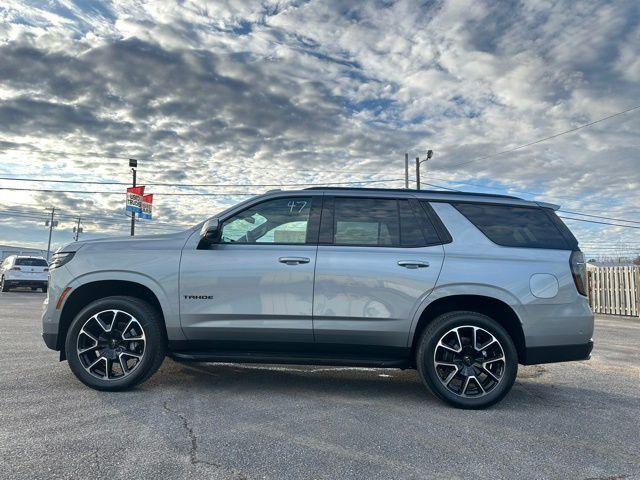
column 25, row 283
column 558, row 353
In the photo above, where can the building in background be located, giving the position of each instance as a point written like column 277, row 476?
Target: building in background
column 6, row 250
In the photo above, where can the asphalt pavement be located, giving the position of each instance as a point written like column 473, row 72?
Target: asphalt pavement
column 577, row 420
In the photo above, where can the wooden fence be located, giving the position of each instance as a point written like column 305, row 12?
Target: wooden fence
column 614, row 290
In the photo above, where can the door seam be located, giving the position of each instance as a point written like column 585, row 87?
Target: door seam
column 313, row 295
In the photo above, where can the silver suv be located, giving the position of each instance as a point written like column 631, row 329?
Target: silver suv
column 461, row 286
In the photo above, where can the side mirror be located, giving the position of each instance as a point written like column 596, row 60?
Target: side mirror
column 210, row 232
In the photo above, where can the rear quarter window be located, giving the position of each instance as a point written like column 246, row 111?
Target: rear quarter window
column 511, row 226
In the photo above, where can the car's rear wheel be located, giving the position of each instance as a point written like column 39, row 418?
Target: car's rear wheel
column 115, row 343
column 467, row 359
column 4, row 287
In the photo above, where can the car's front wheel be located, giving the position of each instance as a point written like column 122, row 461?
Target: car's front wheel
column 115, row 343
column 467, row 359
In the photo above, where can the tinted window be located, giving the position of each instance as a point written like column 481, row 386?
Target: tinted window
column 429, row 229
column 366, row 221
column 31, row 262
column 410, row 229
column 514, row 226
column 283, row 220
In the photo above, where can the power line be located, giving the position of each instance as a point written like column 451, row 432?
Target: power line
column 66, row 154
column 106, row 215
column 230, row 194
column 599, row 216
column 601, row 223
column 484, row 187
column 611, row 249
column 599, row 243
column 214, row 194
column 521, row 192
column 619, row 245
column 112, row 222
column 40, row 215
column 563, row 217
column 31, row 217
column 27, row 211
column 535, row 142
column 504, row 189
column 442, row 186
column 177, row 185
column 562, row 211
column 38, row 211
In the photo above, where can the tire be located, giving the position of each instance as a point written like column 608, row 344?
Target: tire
column 459, row 359
column 115, row 343
column 4, row 287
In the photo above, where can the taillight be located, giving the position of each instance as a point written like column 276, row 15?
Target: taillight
column 579, row 271
column 16, row 269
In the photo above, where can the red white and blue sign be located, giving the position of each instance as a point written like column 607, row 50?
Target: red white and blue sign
column 134, row 199
column 146, row 206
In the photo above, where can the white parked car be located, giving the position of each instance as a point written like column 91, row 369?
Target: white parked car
column 21, row 271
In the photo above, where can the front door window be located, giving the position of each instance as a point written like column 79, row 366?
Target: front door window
column 279, row 221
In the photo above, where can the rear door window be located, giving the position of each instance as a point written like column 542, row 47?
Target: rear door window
column 511, row 226
column 366, row 221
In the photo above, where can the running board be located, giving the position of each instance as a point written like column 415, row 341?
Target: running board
column 290, row 359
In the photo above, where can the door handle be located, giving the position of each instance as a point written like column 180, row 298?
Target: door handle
column 294, row 260
column 413, row 264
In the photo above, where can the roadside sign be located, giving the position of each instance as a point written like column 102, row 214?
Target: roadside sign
column 134, row 199
column 146, row 206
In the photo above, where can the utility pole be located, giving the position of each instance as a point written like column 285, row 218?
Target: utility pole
column 133, row 163
column 77, row 230
column 418, row 162
column 50, row 223
column 406, row 170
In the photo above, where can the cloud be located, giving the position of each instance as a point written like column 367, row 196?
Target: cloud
column 283, row 92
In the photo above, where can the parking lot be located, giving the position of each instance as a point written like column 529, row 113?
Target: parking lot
column 569, row 421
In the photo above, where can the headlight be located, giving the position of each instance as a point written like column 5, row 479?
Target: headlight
column 60, row 259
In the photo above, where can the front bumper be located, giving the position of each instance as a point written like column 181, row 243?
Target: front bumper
column 558, row 353
column 51, row 340
column 60, row 278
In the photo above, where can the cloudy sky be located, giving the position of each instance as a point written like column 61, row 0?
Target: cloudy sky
column 310, row 92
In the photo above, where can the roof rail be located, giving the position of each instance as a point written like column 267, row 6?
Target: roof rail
column 412, row 190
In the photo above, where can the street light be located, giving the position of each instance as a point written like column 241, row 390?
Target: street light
column 418, row 163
